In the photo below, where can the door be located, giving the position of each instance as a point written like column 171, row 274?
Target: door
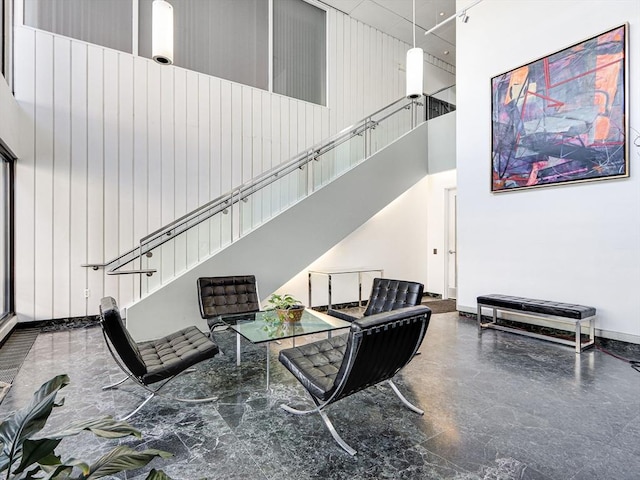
column 451, row 263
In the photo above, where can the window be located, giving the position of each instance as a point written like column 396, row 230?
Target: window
column 106, row 23
column 6, row 243
column 224, row 38
column 299, row 51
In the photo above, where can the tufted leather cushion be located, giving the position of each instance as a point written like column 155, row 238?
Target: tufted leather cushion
column 227, row 295
column 174, row 353
column 378, row 346
column 387, row 294
column 154, row 360
column 316, row 364
column 532, row 305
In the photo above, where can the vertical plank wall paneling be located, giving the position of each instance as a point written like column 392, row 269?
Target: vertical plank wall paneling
column 140, row 207
column 62, row 178
column 121, row 146
column 127, row 291
column 25, row 74
column 180, row 166
column 78, row 190
column 95, row 170
column 43, row 184
column 111, row 162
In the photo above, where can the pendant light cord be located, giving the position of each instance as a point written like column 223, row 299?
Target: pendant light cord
column 414, row 23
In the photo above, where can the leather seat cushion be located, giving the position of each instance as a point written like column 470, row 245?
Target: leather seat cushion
column 316, row 364
column 170, row 355
column 388, row 294
column 546, row 307
column 227, row 295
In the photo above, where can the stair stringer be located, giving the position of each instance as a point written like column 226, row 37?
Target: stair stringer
column 285, row 245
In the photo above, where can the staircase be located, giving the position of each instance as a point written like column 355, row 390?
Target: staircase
column 280, row 222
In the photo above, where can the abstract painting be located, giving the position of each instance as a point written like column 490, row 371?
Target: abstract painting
column 562, row 118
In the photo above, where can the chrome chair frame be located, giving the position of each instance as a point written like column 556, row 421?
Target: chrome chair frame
column 130, row 376
column 396, row 317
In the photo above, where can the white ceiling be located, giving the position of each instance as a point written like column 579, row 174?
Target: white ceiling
column 394, row 17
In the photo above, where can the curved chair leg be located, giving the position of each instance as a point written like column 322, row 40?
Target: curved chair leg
column 127, row 417
column 408, row 404
column 195, row 400
column 327, row 422
column 119, row 382
column 296, row 411
column 335, row 435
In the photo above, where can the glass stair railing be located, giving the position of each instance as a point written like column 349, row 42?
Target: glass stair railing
column 203, row 232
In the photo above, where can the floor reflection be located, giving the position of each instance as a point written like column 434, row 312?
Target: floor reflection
column 500, row 406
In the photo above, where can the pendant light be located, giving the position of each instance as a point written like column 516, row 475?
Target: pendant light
column 414, row 66
column 162, row 32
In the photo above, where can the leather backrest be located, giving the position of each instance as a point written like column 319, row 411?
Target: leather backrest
column 379, row 346
column 122, row 343
column 388, row 294
column 227, row 295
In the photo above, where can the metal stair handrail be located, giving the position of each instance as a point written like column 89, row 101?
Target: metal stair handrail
column 227, row 200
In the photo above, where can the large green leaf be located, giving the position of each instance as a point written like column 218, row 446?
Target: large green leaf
column 157, row 475
column 65, row 469
column 106, row 427
column 33, row 451
column 123, row 458
column 23, row 423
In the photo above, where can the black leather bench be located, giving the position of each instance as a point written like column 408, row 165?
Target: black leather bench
column 557, row 311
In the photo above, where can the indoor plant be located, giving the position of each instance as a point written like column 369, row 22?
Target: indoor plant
column 287, row 307
column 25, row 457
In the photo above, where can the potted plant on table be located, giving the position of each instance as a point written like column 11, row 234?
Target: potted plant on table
column 288, row 308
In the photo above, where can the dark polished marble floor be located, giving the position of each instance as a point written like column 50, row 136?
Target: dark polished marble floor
column 500, row 407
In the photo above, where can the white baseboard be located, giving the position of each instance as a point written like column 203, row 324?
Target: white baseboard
column 543, row 322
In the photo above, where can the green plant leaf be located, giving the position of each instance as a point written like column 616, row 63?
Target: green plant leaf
column 59, row 472
column 123, row 458
column 33, row 451
column 105, row 427
column 33, row 474
column 23, row 423
column 157, row 475
column 65, row 469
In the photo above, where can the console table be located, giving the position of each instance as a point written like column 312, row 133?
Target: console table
column 330, row 272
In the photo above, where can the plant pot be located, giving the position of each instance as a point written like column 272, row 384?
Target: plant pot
column 291, row 314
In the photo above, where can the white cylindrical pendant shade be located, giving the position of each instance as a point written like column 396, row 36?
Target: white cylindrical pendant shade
column 162, row 32
column 414, row 65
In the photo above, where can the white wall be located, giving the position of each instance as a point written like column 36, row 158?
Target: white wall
column 120, row 146
column 12, row 120
column 575, row 243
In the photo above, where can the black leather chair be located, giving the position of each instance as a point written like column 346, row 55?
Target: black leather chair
column 220, row 296
column 387, row 295
column 374, row 350
column 153, row 361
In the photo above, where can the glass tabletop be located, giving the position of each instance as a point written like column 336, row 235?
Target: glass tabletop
column 265, row 326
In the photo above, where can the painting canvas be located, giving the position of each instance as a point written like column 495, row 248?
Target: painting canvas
column 562, row 118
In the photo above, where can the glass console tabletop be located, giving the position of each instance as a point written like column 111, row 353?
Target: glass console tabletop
column 266, row 327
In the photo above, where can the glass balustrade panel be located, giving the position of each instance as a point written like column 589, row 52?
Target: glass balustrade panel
column 188, row 245
column 391, row 124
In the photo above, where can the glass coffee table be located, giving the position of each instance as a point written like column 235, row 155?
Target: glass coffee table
column 265, row 327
